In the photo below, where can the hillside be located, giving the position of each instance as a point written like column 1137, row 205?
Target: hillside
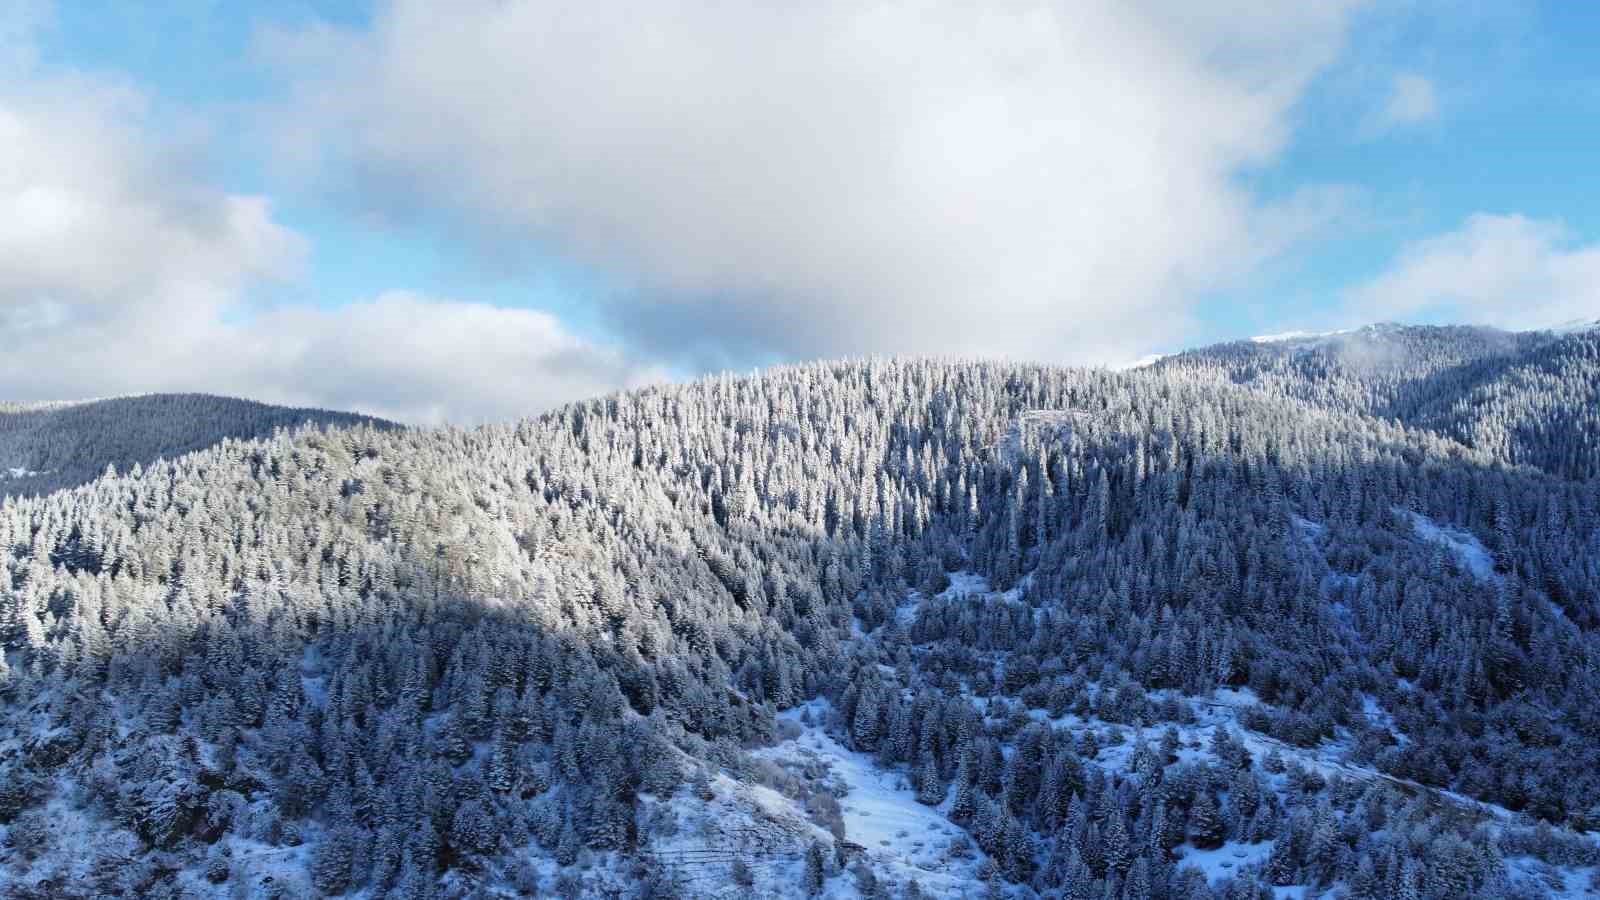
column 48, row 446
column 1255, row 621
column 1529, row 397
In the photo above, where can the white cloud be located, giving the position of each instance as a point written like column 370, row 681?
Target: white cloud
column 1039, row 179
column 419, row 359
column 1412, row 101
column 95, row 214
column 122, row 271
column 1502, row 270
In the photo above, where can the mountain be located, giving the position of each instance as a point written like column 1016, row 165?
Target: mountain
column 1530, row 397
column 48, row 446
column 1258, row 616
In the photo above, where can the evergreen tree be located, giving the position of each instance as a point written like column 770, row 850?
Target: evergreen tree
column 1206, row 827
column 816, row 872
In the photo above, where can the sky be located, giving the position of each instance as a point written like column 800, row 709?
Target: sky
column 476, row 210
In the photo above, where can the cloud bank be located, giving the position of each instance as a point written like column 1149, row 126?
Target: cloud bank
column 1053, row 181
column 1508, row 271
column 122, row 271
column 1048, row 180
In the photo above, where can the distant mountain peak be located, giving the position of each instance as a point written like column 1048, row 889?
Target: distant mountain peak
column 1574, row 326
column 51, row 445
column 1299, row 337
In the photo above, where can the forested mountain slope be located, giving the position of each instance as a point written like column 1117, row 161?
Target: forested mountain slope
column 48, row 446
column 1144, row 634
column 1527, row 397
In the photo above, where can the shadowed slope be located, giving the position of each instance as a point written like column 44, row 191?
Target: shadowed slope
column 49, row 446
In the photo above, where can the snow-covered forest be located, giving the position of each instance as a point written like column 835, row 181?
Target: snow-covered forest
column 1314, row 617
column 49, row 446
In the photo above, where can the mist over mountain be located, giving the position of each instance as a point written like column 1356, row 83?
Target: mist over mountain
column 1303, row 617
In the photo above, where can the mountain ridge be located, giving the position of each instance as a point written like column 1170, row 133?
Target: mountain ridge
column 1157, row 633
column 55, row 444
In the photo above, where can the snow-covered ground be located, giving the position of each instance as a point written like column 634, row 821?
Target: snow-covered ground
column 972, row 583
column 1148, row 359
column 1225, row 861
column 752, row 824
column 961, row 583
column 1308, row 530
column 1575, row 326
column 1466, row 547
column 1558, row 882
column 903, row 838
column 1327, row 758
column 1284, row 337
column 1382, row 718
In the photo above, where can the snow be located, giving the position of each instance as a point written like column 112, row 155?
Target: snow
column 1381, row 718
column 1286, row 336
column 1225, row 861
column 259, row 865
column 961, row 583
column 1302, row 341
column 69, row 827
column 966, row 583
column 902, row 837
column 1327, row 759
column 1558, row 882
column 1468, row 550
column 1237, row 697
column 1046, row 424
column 1310, row 528
column 740, row 820
column 312, row 682
column 1148, row 359
column 906, row 612
column 1575, row 326
column 1308, row 531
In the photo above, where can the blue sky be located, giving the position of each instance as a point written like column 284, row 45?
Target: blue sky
column 1518, row 117
column 346, row 196
column 198, row 58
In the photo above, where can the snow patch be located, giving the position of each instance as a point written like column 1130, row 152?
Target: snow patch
column 1327, row 759
column 901, row 836
column 1284, row 337
column 1148, row 359
column 1308, row 531
column 1466, row 547
column 1575, row 326
column 1226, row 861
column 965, row 583
column 1381, row 718
column 1553, row 881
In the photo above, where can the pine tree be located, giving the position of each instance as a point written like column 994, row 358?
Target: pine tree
column 332, row 861
column 816, row 868
column 1206, row 828
column 501, row 773
column 930, row 787
column 1118, row 850
column 471, row 830
column 567, row 845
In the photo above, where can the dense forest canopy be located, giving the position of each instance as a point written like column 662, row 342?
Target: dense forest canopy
column 437, row 662
column 48, row 446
